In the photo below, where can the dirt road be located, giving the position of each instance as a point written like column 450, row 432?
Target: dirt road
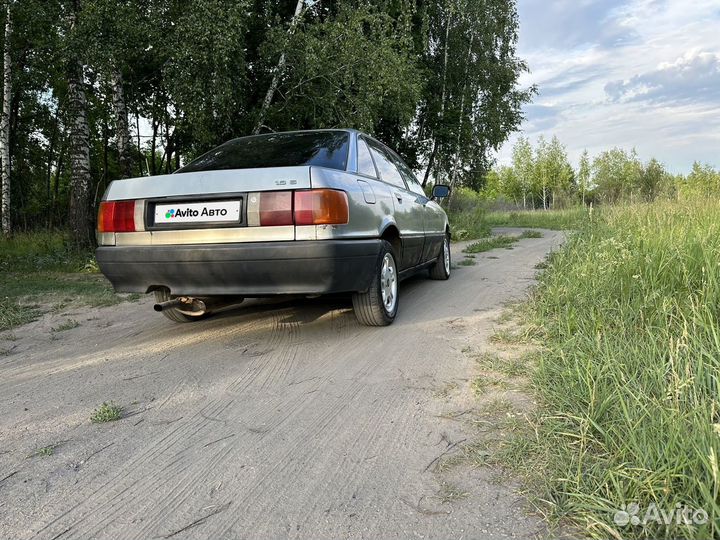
column 272, row 420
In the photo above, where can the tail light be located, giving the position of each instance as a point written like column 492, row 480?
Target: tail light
column 116, row 216
column 311, row 207
column 276, row 208
column 321, row 207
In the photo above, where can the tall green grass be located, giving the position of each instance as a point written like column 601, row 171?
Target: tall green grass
column 630, row 379
column 566, row 219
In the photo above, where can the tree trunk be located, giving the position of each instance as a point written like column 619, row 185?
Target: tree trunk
column 140, row 152
column 277, row 72
column 5, row 128
column 453, row 174
column 122, row 129
column 431, row 160
column 79, row 156
column 153, row 141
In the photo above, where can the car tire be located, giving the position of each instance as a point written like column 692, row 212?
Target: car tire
column 441, row 268
column 379, row 304
column 174, row 314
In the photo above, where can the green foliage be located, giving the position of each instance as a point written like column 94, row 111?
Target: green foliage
column 629, row 312
column 543, row 178
column 567, row 219
column 466, row 215
column 107, row 412
column 493, row 242
column 354, row 69
column 197, row 72
column 206, row 72
column 703, row 181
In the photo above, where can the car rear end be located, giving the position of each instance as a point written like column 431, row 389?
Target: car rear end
column 216, row 229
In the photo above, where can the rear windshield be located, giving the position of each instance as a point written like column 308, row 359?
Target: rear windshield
column 319, row 148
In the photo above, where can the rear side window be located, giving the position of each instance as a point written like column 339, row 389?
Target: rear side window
column 365, row 162
column 388, row 171
column 409, row 176
column 319, row 148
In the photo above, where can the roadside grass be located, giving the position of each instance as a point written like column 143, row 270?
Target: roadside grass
column 629, row 374
column 45, row 451
column 531, row 234
column 493, row 242
column 40, row 271
column 107, row 412
column 469, row 224
column 499, row 241
column 567, row 219
column 67, row 325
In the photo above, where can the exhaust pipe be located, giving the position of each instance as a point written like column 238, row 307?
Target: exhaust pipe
column 184, row 303
column 197, row 306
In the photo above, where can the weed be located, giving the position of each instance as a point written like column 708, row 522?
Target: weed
column 45, row 451
column 67, row 325
column 531, row 234
column 493, row 242
column 508, row 337
column 449, row 493
column 467, row 262
column 107, row 412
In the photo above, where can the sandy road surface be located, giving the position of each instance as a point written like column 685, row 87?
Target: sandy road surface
column 267, row 421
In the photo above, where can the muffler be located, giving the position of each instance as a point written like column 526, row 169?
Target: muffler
column 183, row 303
column 198, row 306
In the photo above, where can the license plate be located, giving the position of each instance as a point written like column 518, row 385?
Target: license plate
column 201, row 212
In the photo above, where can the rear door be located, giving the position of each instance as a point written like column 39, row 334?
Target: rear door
column 408, row 211
column 433, row 217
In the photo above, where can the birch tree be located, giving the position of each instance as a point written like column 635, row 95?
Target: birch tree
column 122, row 130
column 5, row 124
column 79, row 132
column 584, row 176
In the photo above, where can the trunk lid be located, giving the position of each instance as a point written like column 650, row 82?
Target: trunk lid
column 209, row 183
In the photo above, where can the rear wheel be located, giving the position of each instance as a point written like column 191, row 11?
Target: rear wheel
column 441, row 268
column 379, row 304
column 176, row 314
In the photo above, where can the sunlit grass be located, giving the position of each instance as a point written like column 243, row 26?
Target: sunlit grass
column 630, row 379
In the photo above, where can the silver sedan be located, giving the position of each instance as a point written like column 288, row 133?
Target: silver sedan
column 300, row 213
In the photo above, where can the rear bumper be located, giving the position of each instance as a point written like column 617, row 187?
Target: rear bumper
column 248, row 269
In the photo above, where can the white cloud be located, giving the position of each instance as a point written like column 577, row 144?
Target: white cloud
column 631, row 73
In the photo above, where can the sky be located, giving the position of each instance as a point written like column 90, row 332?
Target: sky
column 633, row 73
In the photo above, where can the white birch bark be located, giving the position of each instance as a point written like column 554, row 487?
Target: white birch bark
column 122, row 130
column 5, row 126
column 79, row 132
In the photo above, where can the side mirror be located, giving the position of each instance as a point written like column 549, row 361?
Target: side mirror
column 440, row 191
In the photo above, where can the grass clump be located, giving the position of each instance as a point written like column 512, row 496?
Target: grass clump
column 630, row 378
column 486, row 244
column 107, row 412
column 67, row 325
column 531, row 234
column 45, row 451
column 467, row 262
